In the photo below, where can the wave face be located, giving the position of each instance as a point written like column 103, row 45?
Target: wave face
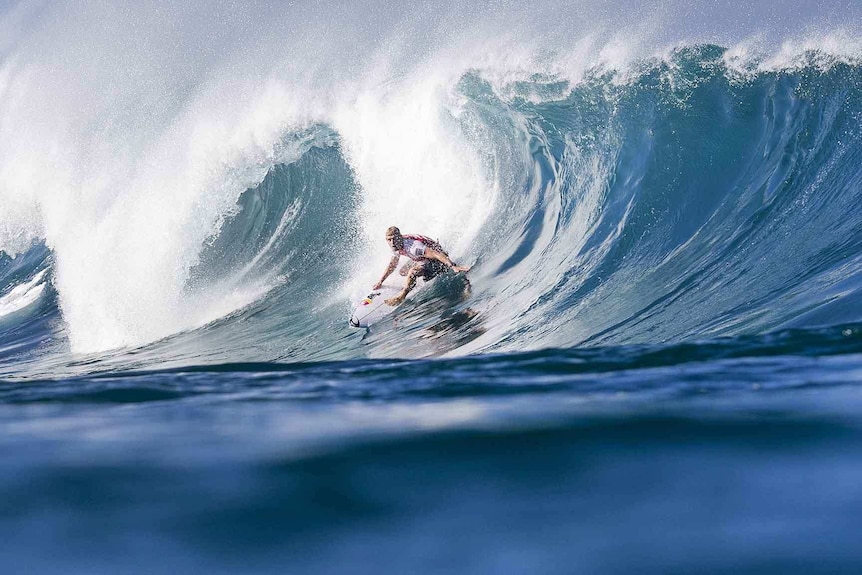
column 688, row 203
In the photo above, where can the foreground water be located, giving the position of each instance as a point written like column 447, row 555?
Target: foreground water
column 722, row 456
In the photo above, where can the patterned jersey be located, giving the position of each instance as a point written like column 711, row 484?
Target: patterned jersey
column 415, row 245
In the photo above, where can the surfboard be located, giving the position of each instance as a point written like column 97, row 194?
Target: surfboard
column 373, row 307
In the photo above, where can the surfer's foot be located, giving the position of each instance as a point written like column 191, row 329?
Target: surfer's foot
column 394, row 300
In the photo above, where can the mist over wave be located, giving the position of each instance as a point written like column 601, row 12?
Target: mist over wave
column 218, row 180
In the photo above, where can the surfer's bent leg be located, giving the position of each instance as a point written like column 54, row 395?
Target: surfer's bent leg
column 415, row 271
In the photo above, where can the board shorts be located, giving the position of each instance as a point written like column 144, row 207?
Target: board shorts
column 432, row 268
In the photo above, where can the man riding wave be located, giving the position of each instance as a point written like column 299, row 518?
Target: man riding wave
column 428, row 260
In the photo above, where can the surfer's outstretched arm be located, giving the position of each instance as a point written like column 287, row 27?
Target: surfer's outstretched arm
column 443, row 258
column 393, row 263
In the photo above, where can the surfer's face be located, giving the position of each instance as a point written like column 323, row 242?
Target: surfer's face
column 395, row 240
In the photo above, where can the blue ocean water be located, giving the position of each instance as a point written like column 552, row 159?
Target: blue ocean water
column 657, row 370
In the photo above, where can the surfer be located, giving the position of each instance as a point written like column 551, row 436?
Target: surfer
column 428, row 260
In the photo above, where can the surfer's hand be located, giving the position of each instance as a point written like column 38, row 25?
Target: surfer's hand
column 377, row 285
column 459, row 269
